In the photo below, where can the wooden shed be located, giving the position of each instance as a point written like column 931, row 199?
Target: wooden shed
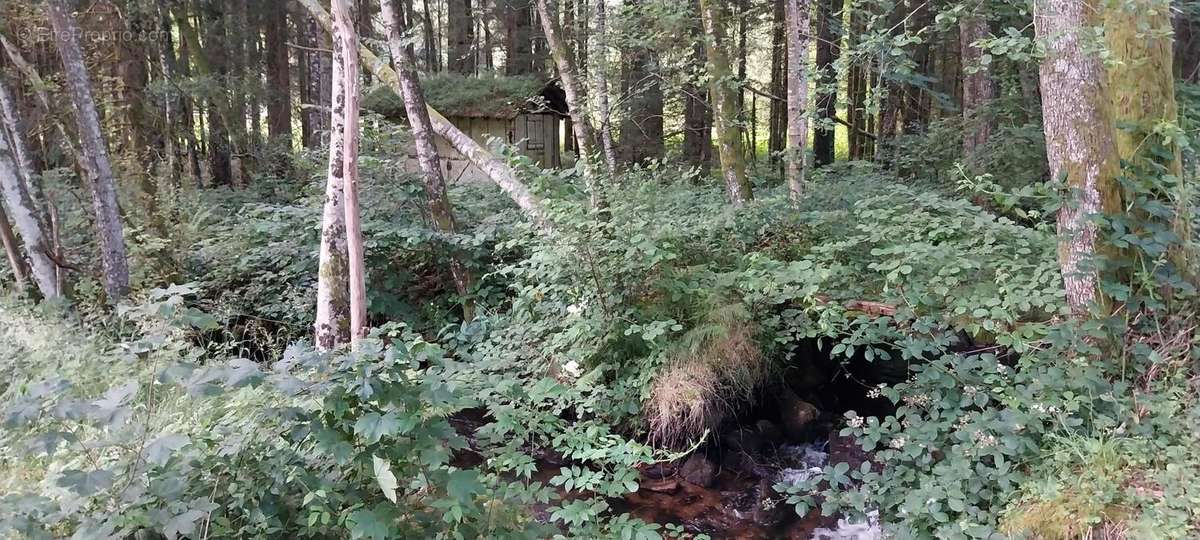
column 521, row 111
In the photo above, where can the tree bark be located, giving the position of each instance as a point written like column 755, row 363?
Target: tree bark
column 279, row 76
column 517, row 18
column 332, row 324
column 1079, row 139
column 103, row 186
column 585, row 134
column 829, row 35
column 697, row 114
column 29, row 227
column 724, row 101
column 642, row 128
column 777, row 129
column 347, row 42
column 978, row 87
column 797, row 95
column 436, row 200
column 600, row 84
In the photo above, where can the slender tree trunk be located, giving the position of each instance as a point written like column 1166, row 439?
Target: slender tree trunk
column 347, row 42
column 777, row 137
column 641, row 84
column 585, row 134
column 857, row 82
column 600, row 84
column 829, row 35
column 103, row 186
column 19, row 270
column 433, row 58
column 436, row 199
column 25, row 216
column 697, row 115
column 916, row 108
column 724, row 100
column 333, row 280
column 797, row 95
column 1079, row 139
column 978, row 87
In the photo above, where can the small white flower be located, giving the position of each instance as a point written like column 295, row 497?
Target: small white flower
column 572, row 369
column 897, row 443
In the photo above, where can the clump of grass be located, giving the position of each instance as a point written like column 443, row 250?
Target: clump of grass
column 712, row 368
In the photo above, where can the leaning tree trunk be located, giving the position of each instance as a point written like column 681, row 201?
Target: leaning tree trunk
column 436, row 199
column 498, row 171
column 978, row 88
column 1079, row 139
column 12, row 251
column 797, row 95
column 103, row 185
column 332, row 324
column 347, row 38
column 585, row 135
column 724, row 101
column 29, row 227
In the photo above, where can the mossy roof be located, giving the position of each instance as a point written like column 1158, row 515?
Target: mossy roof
column 465, row 96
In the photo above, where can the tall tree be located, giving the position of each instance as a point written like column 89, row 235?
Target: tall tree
column 103, row 185
column 721, row 89
column 797, row 95
column 16, row 262
column 1079, row 138
column 585, row 134
column 460, row 31
column 697, row 115
column 978, row 87
column 332, row 324
column 829, row 36
column 777, row 124
column 517, row 19
column 642, row 90
column 29, row 227
column 347, row 38
column 437, row 201
column 600, row 84
column 279, row 76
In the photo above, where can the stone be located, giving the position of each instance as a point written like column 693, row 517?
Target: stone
column 698, row 470
column 796, row 415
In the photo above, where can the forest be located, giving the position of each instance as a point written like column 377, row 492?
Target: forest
column 628, row 269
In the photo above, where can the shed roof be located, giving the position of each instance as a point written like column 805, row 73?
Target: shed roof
column 475, row 97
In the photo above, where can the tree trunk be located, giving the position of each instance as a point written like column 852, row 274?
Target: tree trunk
column 724, row 100
column 25, row 216
column 436, row 199
column 600, row 84
column 279, row 76
column 1187, row 42
column 697, row 115
column 857, row 82
column 641, row 84
column 978, row 87
column 332, row 324
column 797, row 95
column 1079, row 139
column 777, row 136
column 103, row 187
column 517, row 19
column 19, row 270
column 347, row 43
column 460, row 30
column 498, row 171
column 916, row 106
column 585, row 135
column 829, row 35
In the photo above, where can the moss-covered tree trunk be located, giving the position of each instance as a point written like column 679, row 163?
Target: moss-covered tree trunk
column 1079, row 139
column 797, row 95
column 396, row 20
column 344, row 21
column 1142, row 87
column 723, row 93
column 332, row 324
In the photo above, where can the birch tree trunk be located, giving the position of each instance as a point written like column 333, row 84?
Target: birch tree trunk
column 103, row 186
column 797, row 95
column 29, row 227
column 332, row 324
column 1079, row 139
column 436, row 200
column 498, row 171
column 724, row 102
column 585, row 135
column 600, row 83
column 343, row 21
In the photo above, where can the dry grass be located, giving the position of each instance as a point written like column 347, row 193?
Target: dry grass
column 712, row 368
